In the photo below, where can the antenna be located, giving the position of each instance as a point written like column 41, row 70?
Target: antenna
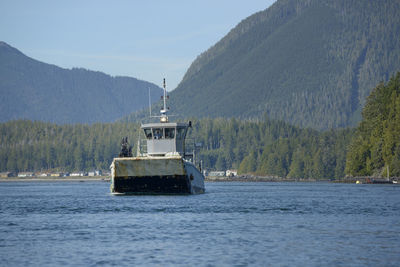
column 163, row 117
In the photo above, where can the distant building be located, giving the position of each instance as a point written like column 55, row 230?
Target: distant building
column 44, row 174
column 25, row 174
column 95, row 173
column 216, row 173
column 7, row 174
column 77, row 174
column 57, row 174
column 231, row 173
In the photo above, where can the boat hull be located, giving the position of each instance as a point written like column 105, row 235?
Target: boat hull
column 155, row 175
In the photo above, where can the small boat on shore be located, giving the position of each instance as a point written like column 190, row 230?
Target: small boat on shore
column 376, row 181
column 163, row 166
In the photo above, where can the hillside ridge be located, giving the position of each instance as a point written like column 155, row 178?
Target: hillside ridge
column 34, row 90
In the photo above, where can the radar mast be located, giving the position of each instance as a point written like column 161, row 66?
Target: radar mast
column 164, row 117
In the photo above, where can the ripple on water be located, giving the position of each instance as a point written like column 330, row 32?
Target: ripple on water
column 234, row 224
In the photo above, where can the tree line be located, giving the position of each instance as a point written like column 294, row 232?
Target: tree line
column 264, row 147
column 272, row 148
column 260, row 147
column 38, row 146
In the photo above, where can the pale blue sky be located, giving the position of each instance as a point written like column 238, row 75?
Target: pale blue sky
column 147, row 40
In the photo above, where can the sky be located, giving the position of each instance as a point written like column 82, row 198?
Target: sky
column 148, row 40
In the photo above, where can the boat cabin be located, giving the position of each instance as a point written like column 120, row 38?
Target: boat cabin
column 163, row 138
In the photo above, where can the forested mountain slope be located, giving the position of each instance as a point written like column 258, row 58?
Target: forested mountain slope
column 38, row 91
column 311, row 63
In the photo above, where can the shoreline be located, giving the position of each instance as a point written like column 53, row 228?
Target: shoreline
column 108, row 179
column 56, row 179
column 261, row 179
column 207, row 179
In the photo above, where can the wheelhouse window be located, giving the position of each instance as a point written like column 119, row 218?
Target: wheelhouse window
column 158, row 133
column 169, row 133
column 147, row 133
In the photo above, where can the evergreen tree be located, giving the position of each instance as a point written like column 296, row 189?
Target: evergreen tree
column 374, row 146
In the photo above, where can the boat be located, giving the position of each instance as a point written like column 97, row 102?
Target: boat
column 163, row 165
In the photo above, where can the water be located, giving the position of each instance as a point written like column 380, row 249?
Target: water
column 233, row 224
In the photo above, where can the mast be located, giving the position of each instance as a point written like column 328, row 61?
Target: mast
column 164, row 117
column 387, row 172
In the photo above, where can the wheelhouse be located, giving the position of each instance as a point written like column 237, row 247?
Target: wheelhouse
column 163, row 138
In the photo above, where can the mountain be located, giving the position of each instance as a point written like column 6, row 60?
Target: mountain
column 34, row 90
column 311, row 63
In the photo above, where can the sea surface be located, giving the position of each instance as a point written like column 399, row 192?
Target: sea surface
column 232, row 224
